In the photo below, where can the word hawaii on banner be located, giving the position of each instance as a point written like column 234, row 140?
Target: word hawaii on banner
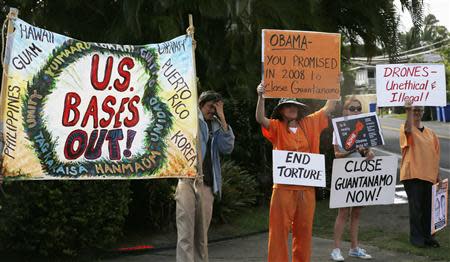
column 361, row 130
column 301, row 64
column 298, row 168
column 362, row 182
column 424, row 84
column 79, row 110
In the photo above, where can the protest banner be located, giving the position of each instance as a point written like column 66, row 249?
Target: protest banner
column 439, row 206
column 298, row 168
column 79, row 110
column 358, row 130
column 424, row 84
column 301, row 64
column 362, row 182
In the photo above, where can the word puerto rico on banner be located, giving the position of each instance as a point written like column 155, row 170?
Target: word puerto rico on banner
column 79, row 110
column 298, row 168
column 424, row 84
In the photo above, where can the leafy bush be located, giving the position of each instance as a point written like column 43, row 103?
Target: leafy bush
column 239, row 191
column 153, row 204
column 55, row 218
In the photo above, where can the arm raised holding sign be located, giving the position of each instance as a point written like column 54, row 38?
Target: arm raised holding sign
column 290, row 128
column 260, row 111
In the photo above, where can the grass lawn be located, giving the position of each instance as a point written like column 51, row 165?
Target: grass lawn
column 372, row 233
column 380, row 235
column 250, row 221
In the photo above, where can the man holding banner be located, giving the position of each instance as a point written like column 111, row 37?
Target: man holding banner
column 419, row 171
column 292, row 206
column 195, row 198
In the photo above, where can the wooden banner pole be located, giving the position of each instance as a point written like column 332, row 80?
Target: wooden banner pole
column 190, row 32
column 13, row 13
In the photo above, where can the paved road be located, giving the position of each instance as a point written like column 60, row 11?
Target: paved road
column 254, row 248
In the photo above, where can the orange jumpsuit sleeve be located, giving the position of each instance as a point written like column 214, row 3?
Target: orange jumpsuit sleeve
column 405, row 139
column 271, row 132
column 437, row 145
column 316, row 122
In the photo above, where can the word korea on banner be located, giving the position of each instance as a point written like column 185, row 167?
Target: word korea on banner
column 439, row 206
column 424, row 84
column 81, row 110
column 362, row 182
column 301, row 64
column 298, row 168
column 361, row 130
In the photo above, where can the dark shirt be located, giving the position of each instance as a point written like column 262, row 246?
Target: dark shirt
column 207, row 163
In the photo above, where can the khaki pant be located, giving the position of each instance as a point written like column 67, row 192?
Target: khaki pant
column 193, row 211
column 291, row 209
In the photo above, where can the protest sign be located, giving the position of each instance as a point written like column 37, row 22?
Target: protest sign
column 298, row 168
column 79, row 110
column 301, row 64
column 424, row 84
column 439, row 206
column 362, row 182
column 358, row 130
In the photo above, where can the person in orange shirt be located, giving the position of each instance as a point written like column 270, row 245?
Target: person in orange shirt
column 291, row 206
column 419, row 170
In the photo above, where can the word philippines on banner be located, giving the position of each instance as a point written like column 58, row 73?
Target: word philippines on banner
column 424, row 84
column 439, row 206
column 358, row 131
column 298, row 168
column 301, row 64
column 82, row 110
column 362, row 182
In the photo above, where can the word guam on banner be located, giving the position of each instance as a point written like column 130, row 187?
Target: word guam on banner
column 362, row 182
column 424, row 84
column 439, row 206
column 75, row 109
column 361, row 130
column 301, row 64
column 298, row 168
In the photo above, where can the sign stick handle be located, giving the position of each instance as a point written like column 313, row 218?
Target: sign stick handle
column 13, row 13
column 190, row 32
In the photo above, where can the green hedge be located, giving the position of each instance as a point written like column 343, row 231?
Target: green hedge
column 239, row 191
column 59, row 218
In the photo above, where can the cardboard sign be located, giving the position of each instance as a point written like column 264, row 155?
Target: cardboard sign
column 424, row 84
column 301, row 64
column 298, row 168
column 80, row 110
column 439, row 206
column 361, row 182
column 358, row 130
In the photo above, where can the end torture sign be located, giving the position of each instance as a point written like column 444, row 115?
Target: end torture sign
column 424, row 84
column 298, row 168
column 362, row 182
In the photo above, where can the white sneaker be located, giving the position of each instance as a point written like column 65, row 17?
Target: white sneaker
column 336, row 255
column 359, row 253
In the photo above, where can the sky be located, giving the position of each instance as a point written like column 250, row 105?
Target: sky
column 439, row 8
